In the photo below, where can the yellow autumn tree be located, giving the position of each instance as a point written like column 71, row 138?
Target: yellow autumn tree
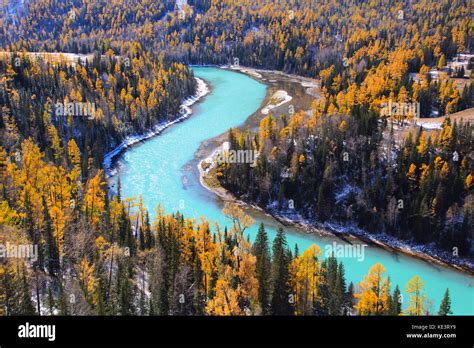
column 247, row 289
column 372, row 292
column 416, row 302
column 446, row 134
column 55, row 142
column 422, row 145
column 304, row 278
column 268, row 127
column 424, row 169
column 240, row 221
column 8, row 215
column 225, row 300
column 29, row 177
column 94, row 200
column 74, row 153
column 87, row 280
column 243, row 261
column 208, row 253
column 468, row 182
column 411, row 175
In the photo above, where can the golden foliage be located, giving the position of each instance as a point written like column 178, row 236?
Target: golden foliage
column 372, row 292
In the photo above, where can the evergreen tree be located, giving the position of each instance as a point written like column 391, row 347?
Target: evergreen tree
column 25, row 306
column 8, row 293
column 52, row 251
column 125, row 288
column 149, row 238
column 50, row 301
column 102, row 305
column 445, row 307
column 263, row 268
column 198, row 297
column 395, row 304
column 280, row 304
column 62, row 301
column 141, row 237
column 349, row 299
column 336, row 305
column 325, row 200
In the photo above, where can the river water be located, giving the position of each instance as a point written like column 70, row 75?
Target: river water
column 164, row 170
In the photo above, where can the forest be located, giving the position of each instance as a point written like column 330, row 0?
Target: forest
column 102, row 254
column 99, row 256
column 130, row 94
column 351, row 45
column 342, row 168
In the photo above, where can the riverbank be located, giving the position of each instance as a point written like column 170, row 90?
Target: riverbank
column 312, row 86
column 208, row 179
column 286, row 93
column 185, row 110
column 155, row 168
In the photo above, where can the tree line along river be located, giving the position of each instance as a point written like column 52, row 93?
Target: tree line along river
column 164, row 170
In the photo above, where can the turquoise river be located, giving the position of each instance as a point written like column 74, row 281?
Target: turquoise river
column 164, row 170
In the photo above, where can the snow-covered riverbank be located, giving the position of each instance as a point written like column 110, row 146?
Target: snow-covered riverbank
column 278, row 98
column 201, row 90
column 427, row 252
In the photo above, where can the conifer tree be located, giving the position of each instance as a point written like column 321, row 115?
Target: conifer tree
column 349, row 299
column 62, row 300
column 280, row 304
column 263, row 268
column 336, row 305
column 125, row 288
column 395, row 304
column 25, row 306
column 445, row 307
column 149, row 238
column 52, row 251
column 50, row 301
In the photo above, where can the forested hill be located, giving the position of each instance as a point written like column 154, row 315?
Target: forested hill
column 116, row 96
column 299, row 36
column 372, row 46
column 342, row 169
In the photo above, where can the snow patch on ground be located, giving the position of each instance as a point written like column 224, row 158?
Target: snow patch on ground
column 211, row 163
column 309, row 84
column 280, row 97
column 201, row 90
column 429, row 125
column 345, row 191
column 142, row 279
column 54, row 57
